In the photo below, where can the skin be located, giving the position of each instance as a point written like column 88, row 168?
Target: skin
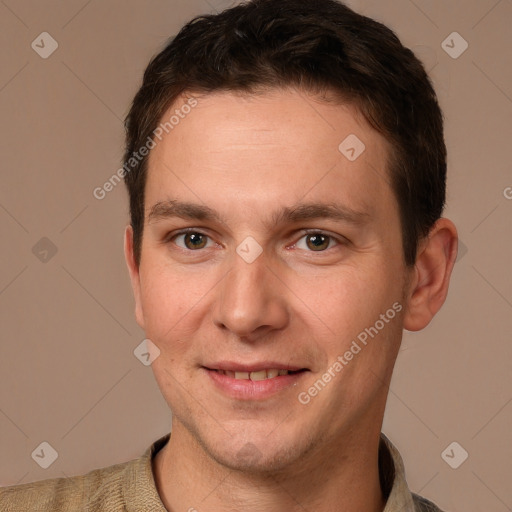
column 247, row 157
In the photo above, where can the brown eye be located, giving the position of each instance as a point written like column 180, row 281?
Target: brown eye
column 191, row 240
column 317, row 242
column 195, row 241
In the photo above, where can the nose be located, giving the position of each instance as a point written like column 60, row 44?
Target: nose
column 251, row 299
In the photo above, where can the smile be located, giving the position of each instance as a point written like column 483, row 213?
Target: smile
column 253, row 382
column 255, row 376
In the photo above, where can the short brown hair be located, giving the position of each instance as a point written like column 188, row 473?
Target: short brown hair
column 318, row 46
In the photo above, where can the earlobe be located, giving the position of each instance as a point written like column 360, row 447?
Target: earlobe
column 133, row 270
column 432, row 271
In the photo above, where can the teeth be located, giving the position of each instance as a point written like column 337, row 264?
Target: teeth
column 260, row 375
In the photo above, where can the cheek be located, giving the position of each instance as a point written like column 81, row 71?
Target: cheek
column 362, row 310
column 169, row 301
column 348, row 300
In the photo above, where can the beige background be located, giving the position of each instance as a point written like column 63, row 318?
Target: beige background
column 68, row 375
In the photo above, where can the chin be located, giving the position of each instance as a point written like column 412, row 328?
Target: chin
column 250, row 459
column 254, row 444
column 255, row 454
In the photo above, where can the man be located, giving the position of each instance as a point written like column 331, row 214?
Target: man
column 286, row 169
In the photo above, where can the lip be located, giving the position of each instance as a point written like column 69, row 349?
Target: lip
column 249, row 390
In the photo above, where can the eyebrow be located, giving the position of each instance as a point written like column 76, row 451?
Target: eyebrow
column 288, row 214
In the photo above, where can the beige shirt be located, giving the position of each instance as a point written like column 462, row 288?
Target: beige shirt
column 130, row 487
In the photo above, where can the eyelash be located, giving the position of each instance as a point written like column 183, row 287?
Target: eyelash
column 306, row 232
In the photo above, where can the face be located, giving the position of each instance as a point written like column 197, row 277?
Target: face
column 271, row 277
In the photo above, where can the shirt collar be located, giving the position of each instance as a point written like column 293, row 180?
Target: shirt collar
column 392, row 478
column 139, row 487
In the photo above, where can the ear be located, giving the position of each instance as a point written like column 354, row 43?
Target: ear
column 428, row 286
column 133, row 270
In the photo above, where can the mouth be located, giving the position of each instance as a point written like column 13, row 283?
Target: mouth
column 259, row 374
column 253, row 382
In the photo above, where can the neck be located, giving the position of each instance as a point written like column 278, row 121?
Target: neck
column 345, row 476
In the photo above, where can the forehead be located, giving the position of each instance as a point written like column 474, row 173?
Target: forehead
column 277, row 146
